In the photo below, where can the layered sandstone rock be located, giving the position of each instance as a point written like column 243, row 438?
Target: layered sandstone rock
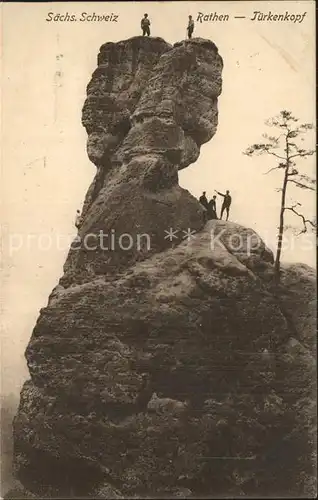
column 149, row 108
column 175, row 371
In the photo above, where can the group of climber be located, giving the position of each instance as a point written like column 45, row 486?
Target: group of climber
column 210, row 206
column 145, row 26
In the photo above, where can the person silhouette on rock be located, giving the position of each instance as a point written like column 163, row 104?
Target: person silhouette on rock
column 203, row 200
column 190, row 27
column 212, row 208
column 145, row 25
column 226, row 203
column 204, row 203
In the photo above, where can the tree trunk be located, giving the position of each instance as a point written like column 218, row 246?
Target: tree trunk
column 281, row 218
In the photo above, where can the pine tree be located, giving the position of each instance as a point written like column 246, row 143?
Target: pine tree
column 285, row 148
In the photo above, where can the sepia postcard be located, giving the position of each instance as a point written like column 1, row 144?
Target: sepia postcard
column 158, row 250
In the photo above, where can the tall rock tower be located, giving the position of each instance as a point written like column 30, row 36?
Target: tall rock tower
column 147, row 369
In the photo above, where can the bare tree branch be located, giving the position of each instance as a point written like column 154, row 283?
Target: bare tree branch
column 271, row 170
column 294, row 145
column 305, row 221
column 293, row 172
column 302, row 153
column 306, row 178
column 301, row 185
column 274, row 154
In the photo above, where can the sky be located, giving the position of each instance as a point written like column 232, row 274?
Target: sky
column 45, row 170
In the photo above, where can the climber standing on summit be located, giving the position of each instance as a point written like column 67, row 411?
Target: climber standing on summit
column 190, row 27
column 145, row 25
column 226, row 203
